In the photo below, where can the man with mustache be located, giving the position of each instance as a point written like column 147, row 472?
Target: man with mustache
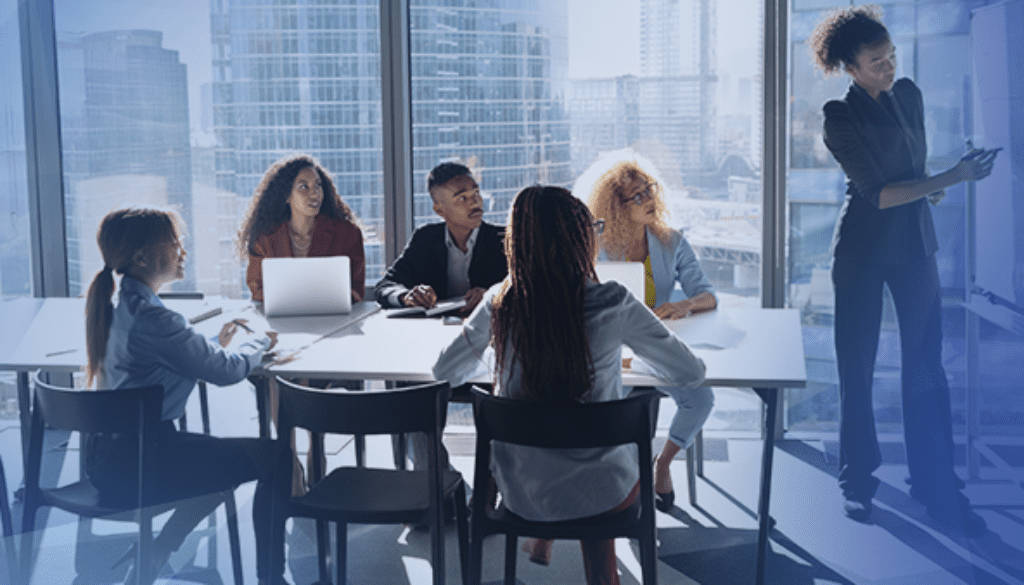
column 461, row 257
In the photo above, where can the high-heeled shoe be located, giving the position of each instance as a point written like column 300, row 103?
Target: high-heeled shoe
column 664, row 502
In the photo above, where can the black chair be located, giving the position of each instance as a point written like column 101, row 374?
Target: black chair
column 129, row 411
column 8, row 528
column 370, row 495
column 630, row 420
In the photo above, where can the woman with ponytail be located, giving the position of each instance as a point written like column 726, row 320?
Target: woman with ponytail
column 139, row 342
column 557, row 335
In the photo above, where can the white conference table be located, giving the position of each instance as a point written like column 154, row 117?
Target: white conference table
column 766, row 356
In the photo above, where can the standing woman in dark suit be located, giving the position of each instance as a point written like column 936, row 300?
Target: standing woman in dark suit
column 885, row 237
column 296, row 212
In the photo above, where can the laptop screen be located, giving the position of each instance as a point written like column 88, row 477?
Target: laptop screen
column 306, row 286
column 629, row 274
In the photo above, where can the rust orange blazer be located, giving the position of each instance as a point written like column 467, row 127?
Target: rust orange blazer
column 331, row 237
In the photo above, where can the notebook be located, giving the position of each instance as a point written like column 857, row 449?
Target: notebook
column 306, row 286
column 629, row 274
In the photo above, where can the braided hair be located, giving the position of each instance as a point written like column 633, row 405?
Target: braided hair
column 538, row 312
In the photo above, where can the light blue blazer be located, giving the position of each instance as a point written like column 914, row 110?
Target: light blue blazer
column 673, row 263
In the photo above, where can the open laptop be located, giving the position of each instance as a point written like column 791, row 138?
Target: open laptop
column 306, row 286
column 629, row 274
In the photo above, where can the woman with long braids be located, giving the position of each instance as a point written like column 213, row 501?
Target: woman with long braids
column 621, row 189
column 557, row 335
column 885, row 239
column 296, row 212
column 142, row 343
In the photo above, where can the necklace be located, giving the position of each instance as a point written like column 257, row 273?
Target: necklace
column 296, row 239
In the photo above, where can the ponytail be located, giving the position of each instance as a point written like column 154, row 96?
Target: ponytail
column 99, row 311
column 123, row 234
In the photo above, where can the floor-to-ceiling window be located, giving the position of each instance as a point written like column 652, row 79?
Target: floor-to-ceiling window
column 15, row 237
column 187, row 104
column 15, row 269
column 529, row 92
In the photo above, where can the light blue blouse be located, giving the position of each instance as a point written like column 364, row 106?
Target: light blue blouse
column 675, row 262
column 150, row 344
column 541, row 484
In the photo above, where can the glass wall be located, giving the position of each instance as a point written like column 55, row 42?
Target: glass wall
column 188, row 104
column 15, row 256
column 15, row 268
column 934, row 48
column 527, row 91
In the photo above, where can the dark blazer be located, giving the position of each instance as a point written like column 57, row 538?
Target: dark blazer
column 425, row 261
column 877, row 143
column 331, row 237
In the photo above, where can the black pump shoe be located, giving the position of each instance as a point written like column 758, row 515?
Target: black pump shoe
column 664, row 502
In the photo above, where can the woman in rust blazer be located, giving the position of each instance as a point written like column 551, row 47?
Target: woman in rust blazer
column 296, row 212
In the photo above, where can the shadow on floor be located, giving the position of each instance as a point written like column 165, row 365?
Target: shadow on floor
column 903, row 517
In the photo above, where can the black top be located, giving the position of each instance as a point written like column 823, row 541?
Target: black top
column 425, row 261
column 878, row 142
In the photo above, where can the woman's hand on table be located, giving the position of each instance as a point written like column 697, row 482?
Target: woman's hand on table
column 673, row 311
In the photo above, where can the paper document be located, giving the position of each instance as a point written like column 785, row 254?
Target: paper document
column 710, row 330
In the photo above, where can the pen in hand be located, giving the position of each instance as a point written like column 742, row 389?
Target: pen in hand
column 241, row 323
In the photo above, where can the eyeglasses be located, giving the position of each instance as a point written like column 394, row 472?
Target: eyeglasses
column 599, row 227
column 641, row 197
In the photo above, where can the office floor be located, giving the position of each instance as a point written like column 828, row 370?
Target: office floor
column 712, row 543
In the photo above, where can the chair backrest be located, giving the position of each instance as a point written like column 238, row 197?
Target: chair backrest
column 98, row 411
column 569, row 426
column 133, row 411
column 418, row 408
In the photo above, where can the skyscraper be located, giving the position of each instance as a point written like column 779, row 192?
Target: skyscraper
column 125, row 136
column 487, row 88
column 678, row 81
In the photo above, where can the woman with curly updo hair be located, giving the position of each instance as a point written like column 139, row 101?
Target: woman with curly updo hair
column 885, row 238
column 296, row 212
column 621, row 189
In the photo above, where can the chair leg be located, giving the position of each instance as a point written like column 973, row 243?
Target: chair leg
column 341, row 552
column 437, row 551
column 511, row 543
column 691, row 475
column 476, row 553
column 698, row 444
column 8, row 529
column 322, row 542
column 649, row 559
column 461, row 518
column 231, row 511
column 28, row 521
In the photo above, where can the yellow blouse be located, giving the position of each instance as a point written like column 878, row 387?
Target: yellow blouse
column 650, row 294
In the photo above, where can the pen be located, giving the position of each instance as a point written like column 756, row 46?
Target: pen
column 241, row 324
column 62, row 352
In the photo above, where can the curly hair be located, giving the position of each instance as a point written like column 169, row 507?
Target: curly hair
column 605, row 202
column 838, row 38
column 538, row 316
column 269, row 206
